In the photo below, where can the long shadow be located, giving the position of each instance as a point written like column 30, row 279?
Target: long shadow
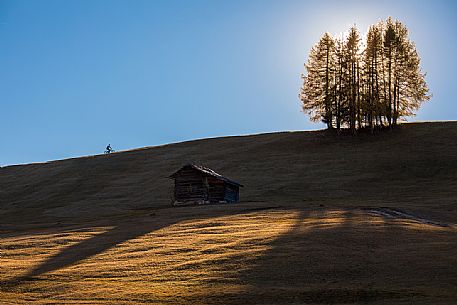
column 352, row 261
column 316, row 261
column 124, row 231
column 89, row 247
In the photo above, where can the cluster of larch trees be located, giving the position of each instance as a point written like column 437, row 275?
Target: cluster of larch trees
column 354, row 84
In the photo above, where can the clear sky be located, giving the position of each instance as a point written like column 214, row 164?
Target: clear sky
column 77, row 75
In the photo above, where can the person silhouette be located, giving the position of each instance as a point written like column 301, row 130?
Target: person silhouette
column 108, row 149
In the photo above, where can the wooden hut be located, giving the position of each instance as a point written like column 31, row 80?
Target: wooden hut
column 196, row 184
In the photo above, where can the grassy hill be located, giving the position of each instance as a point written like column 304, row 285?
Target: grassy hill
column 323, row 219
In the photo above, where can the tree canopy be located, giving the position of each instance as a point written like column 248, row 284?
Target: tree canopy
column 350, row 83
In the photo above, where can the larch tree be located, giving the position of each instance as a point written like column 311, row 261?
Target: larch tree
column 371, row 65
column 354, row 86
column 409, row 87
column 352, row 52
column 316, row 93
column 339, row 85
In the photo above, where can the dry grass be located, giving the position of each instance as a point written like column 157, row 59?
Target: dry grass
column 173, row 263
column 99, row 230
column 286, row 256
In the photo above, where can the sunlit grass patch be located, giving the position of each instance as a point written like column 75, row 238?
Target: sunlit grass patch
column 163, row 263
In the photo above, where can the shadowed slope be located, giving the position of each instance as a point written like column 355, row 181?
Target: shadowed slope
column 352, row 257
column 416, row 161
column 323, row 219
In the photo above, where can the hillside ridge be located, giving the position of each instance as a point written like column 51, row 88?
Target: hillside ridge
column 323, row 219
column 295, row 167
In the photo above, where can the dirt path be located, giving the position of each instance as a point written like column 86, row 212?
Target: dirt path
column 394, row 213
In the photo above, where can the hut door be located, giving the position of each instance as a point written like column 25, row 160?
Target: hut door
column 216, row 190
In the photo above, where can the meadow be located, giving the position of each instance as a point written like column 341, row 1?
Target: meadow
column 324, row 219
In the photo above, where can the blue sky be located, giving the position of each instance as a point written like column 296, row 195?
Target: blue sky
column 77, row 75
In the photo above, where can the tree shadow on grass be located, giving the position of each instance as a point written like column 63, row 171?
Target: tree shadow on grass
column 343, row 257
column 326, row 257
column 121, row 232
column 87, row 248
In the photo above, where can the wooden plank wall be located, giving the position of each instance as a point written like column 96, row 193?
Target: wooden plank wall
column 232, row 193
column 216, row 189
column 193, row 186
column 189, row 186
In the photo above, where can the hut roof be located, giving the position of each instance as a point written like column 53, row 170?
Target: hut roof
column 206, row 171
